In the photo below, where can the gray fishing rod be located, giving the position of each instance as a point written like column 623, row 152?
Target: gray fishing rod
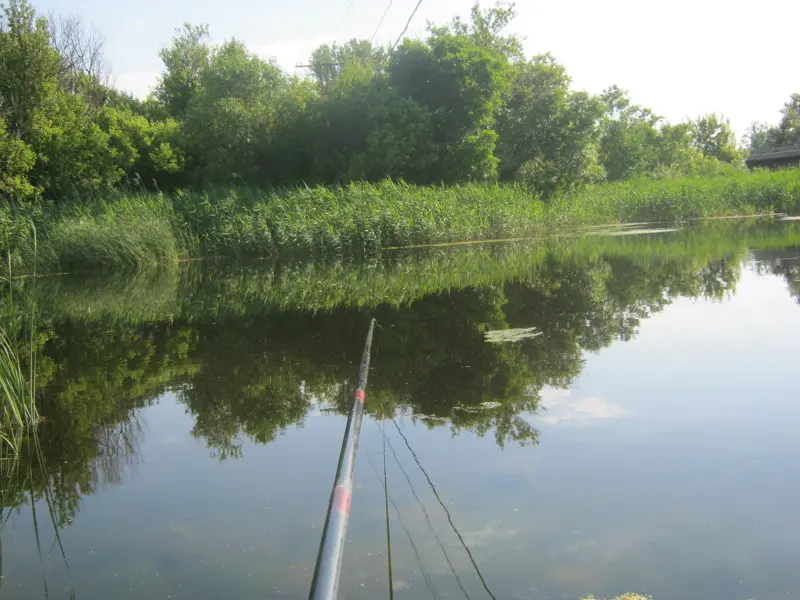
column 325, row 585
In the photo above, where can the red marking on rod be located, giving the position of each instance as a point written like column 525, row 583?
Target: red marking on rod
column 342, row 497
column 361, row 395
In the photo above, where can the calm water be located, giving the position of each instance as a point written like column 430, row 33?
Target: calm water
column 645, row 441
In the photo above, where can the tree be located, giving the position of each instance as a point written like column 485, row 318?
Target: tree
column 328, row 62
column 230, row 118
column 28, row 66
column 762, row 136
column 83, row 66
column 789, row 125
column 548, row 134
column 714, row 138
column 185, row 60
column 629, row 133
column 459, row 75
column 16, row 160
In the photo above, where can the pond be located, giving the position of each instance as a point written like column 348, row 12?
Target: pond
column 645, row 439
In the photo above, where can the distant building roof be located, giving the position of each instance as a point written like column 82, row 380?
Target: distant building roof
column 776, row 155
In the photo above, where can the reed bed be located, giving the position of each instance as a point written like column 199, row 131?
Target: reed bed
column 132, row 230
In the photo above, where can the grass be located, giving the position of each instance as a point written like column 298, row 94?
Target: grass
column 18, row 413
column 17, row 409
column 133, row 230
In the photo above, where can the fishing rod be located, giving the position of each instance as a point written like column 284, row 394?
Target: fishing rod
column 325, row 585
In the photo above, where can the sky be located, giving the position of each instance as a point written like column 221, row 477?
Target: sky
column 682, row 58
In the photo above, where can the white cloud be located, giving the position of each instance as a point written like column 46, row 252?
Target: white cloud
column 559, row 405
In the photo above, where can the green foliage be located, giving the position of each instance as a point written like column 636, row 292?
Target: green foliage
column 629, row 138
column 461, row 105
column 715, row 139
column 134, row 230
column 73, row 154
column 762, row 136
column 18, row 410
column 678, row 198
column 185, row 60
column 28, row 66
column 329, row 62
column 227, row 117
column 16, row 161
column 548, row 134
column 455, row 69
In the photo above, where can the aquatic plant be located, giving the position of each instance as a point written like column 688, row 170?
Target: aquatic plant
column 138, row 229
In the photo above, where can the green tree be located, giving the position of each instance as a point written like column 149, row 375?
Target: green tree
column 232, row 115
column 789, row 125
column 460, row 75
column 28, row 66
column 714, row 138
column 329, row 61
column 185, row 60
column 762, row 136
column 548, row 134
column 147, row 151
column 16, row 161
column 629, row 135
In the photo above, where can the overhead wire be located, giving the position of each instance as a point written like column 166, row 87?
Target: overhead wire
column 408, row 23
column 344, row 16
column 386, row 12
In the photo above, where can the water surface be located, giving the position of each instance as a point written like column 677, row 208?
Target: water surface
column 645, row 441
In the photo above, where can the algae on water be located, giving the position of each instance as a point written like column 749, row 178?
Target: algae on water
column 503, row 336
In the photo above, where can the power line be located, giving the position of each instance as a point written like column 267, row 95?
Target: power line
column 386, row 12
column 408, row 23
column 344, row 16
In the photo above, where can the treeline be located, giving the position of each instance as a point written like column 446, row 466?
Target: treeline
column 464, row 104
column 762, row 136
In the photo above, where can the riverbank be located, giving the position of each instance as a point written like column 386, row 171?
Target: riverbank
column 133, row 230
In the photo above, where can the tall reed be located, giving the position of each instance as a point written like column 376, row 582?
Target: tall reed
column 18, row 412
column 128, row 230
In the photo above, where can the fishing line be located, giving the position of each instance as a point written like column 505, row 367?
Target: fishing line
column 447, row 512
column 423, row 570
column 386, row 503
column 425, row 512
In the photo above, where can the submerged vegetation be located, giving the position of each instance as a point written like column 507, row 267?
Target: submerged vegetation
column 136, row 230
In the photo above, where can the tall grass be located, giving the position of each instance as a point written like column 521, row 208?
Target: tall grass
column 18, row 412
column 133, row 230
column 18, row 409
column 679, row 199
